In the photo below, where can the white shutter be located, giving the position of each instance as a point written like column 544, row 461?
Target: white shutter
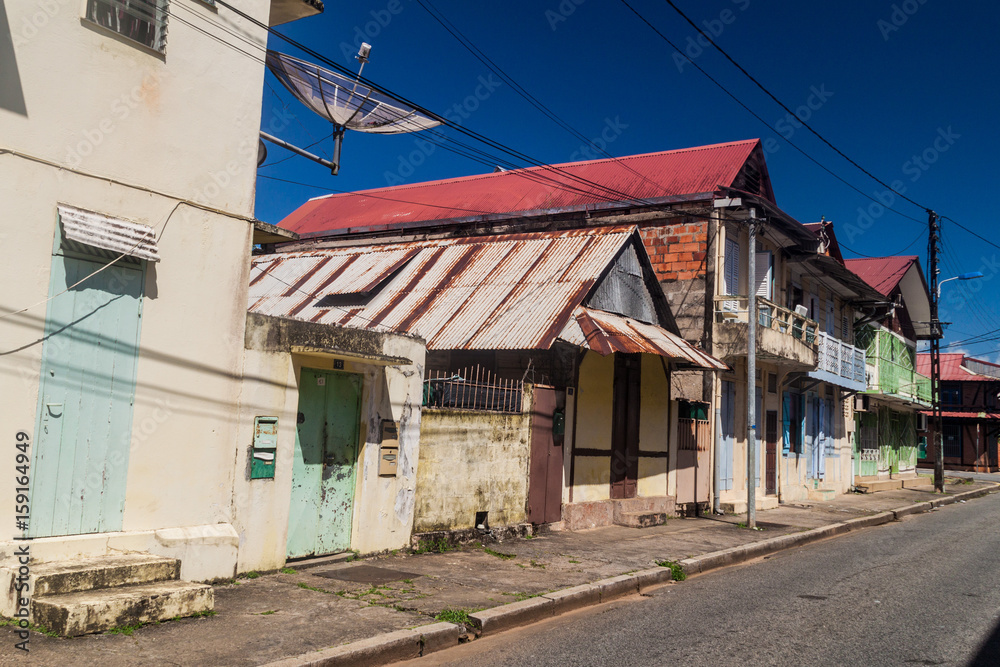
column 732, row 273
column 762, row 273
column 830, row 319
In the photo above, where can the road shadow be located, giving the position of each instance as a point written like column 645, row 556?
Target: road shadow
column 988, row 654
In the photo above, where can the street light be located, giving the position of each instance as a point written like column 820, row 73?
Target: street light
column 936, row 356
column 964, row 276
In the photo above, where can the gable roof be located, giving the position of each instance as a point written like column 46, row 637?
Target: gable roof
column 677, row 175
column 953, row 367
column 882, row 273
column 886, row 274
column 503, row 292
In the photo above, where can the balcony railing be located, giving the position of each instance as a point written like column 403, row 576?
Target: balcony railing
column 840, row 358
column 769, row 316
column 890, row 377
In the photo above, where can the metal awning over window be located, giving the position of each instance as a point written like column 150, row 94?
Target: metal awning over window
column 118, row 236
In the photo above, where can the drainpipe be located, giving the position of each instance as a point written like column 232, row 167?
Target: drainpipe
column 716, row 504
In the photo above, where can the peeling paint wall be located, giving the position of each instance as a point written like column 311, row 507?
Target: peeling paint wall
column 382, row 514
column 472, row 462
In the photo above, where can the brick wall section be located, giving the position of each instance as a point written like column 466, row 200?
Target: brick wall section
column 678, row 253
column 677, row 250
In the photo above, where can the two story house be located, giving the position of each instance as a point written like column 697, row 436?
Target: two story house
column 152, row 417
column 887, row 411
column 970, row 413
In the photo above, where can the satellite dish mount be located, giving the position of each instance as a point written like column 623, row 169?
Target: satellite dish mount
column 347, row 104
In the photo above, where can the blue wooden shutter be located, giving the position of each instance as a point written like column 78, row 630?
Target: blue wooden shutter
column 786, row 423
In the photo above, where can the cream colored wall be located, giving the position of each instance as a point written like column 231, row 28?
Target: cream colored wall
column 184, row 123
column 592, row 478
column 182, row 126
column 383, row 506
column 188, row 373
column 592, row 474
column 594, row 402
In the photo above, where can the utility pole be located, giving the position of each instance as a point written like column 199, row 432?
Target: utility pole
column 752, row 372
column 935, row 334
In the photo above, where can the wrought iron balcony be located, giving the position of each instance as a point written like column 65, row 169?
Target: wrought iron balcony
column 839, row 363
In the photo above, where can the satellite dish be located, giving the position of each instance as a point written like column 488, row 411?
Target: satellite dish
column 345, row 102
column 261, row 152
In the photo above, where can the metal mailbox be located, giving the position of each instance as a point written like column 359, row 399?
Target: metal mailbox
column 388, row 460
column 265, row 446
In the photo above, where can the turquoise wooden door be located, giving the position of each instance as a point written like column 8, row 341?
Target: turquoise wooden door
column 85, row 398
column 323, row 471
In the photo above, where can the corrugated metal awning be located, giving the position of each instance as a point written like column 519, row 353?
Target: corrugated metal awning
column 606, row 333
column 100, row 231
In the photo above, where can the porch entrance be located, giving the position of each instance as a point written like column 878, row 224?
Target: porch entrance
column 771, row 457
column 85, row 398
column 625, row 429
column 323, row 470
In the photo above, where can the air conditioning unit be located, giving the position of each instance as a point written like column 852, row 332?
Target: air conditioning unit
column 801, row 311
column 921, row 422
column 861, row 403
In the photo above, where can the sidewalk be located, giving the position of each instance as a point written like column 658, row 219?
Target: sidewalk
column 291, row 613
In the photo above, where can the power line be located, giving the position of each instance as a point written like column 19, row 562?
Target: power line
column 793, row 114
column 898, row 252
column 760, row 119
column 488, row 159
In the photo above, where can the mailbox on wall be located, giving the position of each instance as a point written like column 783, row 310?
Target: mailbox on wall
column 388, row 460
column 265, row 446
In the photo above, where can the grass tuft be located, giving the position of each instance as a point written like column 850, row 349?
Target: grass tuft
column 677, row 572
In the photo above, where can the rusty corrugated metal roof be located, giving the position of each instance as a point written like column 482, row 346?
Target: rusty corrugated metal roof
column 512, row 291
column 653, row 176
column 606, row 333
column 504, row 292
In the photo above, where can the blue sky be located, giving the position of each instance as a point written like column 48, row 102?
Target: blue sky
column 906, row 89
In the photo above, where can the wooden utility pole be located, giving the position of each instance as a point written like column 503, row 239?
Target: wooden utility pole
column 752, row 373
column 935, row 334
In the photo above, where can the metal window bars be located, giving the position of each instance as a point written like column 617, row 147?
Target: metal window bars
column 473, row 388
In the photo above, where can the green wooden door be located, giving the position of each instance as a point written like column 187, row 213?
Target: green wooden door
column 323, row 471
column 85, row 398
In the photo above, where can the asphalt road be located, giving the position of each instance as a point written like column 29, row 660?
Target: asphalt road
column 921, row 591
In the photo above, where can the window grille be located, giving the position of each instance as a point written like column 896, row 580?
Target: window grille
column 142, row 21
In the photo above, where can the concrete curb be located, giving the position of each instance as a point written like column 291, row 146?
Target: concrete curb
column 745, row 552
column 408, row 644
column 381, row 650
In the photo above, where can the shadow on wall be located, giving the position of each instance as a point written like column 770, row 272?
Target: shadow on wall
column 11, row 94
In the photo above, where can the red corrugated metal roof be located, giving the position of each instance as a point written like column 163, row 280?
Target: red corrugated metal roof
column 690, row 171
column 502, row 292
column 952, row 369
column 882, row 273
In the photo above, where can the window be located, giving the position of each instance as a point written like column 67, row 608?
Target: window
column 793, row 421
column 143, row 21
column 951, row 393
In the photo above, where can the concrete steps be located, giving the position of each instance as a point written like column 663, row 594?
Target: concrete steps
column 85, row 595
column 84, row 612
column 919, row 482
column 640, row 519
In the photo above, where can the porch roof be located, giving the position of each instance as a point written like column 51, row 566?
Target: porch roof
column 606, row 333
